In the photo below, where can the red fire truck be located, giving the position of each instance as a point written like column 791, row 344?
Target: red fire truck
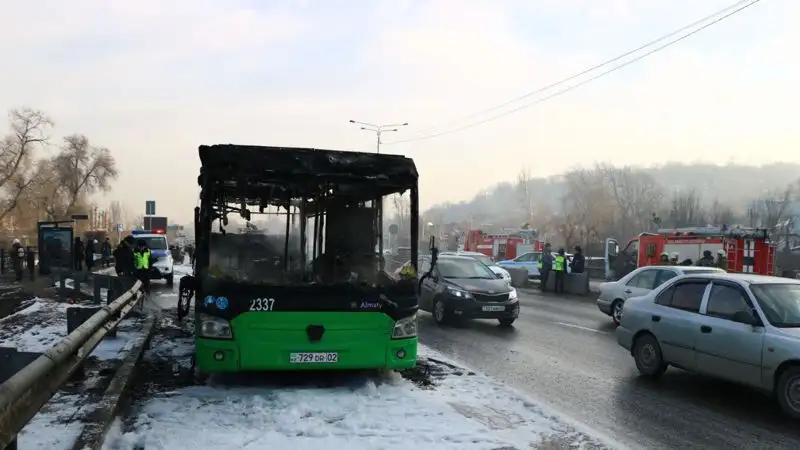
column 500, row 246
column 749, row 250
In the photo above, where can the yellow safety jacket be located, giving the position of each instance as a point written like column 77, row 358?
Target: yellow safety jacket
column 559, row 263
column 141, row 260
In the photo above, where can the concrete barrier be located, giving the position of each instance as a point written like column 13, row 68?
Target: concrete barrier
column 574, row 283
column 519, row 276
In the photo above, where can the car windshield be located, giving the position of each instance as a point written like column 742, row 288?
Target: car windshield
column 464, row 268
column 780, row 303
column 155, row 242
column 482, row 258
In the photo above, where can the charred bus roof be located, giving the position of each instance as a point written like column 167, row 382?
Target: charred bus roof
column 286, row 173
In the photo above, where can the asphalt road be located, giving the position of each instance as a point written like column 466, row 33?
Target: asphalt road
column 563, row 352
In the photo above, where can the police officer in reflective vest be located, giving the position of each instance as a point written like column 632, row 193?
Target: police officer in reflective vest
column 142, row 261
column 545, row 265
column 560, row 268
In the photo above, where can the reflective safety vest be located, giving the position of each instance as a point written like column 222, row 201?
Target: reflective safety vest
column 541, row 261
column 141, row 260
column 558, row 263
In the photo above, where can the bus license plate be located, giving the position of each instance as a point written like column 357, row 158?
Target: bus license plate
column 493, row 308
column 313, row 358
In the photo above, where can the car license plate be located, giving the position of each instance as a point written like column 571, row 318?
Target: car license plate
column 493, row 308
column 313, row 357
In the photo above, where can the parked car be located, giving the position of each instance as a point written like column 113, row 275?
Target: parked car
column 499, row 271
column 461, row 287
column 639, row 282
column 530, row 261
column 738, row 327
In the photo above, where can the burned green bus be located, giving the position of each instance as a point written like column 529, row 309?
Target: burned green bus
column 293, row 267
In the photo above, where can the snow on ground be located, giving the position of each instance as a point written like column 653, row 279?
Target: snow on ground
column 54, row 427
column 43, row 324
column 464, row 411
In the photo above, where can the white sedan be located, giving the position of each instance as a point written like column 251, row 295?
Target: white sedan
column 640, row 282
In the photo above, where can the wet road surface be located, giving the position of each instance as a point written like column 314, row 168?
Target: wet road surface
column 563, row 352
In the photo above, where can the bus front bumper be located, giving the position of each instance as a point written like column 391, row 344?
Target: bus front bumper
column 216, row 355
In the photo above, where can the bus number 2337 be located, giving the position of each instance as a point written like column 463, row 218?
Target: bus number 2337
column 262, row 304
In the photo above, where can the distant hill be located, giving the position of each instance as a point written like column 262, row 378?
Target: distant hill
column 732, row 184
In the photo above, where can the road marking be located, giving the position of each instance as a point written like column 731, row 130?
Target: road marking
column 572, row 325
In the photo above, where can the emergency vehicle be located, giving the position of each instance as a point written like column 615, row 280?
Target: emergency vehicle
column 156, row 241
column 500, row 246
column 748, row 250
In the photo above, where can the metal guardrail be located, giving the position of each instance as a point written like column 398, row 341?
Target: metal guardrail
column 26, row 392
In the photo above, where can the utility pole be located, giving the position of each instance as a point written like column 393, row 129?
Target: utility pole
column 379, row 130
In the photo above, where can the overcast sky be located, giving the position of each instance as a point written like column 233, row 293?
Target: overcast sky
column 153, row 79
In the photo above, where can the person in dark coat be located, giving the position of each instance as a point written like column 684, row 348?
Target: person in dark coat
column 90, row 249
column 105, row 249
column 578, row 263
column 123, row 257
column 78, row 253
column 17, row 258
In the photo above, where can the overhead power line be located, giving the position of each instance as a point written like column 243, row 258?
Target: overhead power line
column 731, row 10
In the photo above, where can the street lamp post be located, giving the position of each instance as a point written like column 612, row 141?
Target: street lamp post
column 379, row 130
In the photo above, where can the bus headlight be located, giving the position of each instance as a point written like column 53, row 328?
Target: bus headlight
column 405, row 328
column 213, row 327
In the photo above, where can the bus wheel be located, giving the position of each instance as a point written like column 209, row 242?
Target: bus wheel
column 440, row 314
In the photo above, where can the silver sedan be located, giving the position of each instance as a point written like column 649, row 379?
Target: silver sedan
column 738, row 327
column 639, row 282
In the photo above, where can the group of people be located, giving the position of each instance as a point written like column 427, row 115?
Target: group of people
column 84, row 253
column 707, row 260
column 558, row 265
column 133, row 258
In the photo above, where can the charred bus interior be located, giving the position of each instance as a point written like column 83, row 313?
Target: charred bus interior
column 329, row 230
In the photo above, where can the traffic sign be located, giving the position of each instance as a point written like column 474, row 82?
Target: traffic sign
column 120, row 228
column 150, row 208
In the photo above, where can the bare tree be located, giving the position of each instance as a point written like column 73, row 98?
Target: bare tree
column 83, row 169
column 775, row 205
column 721, row 214
column 18, row 164
column 116, row 213
column 686, row 209
column 636, row 196
column 525, row 193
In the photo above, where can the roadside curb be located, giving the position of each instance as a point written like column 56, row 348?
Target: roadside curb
column 94, row 431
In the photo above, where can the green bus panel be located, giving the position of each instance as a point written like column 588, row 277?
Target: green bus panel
column 264, row 341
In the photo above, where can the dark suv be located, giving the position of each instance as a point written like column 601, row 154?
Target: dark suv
column 461, row 287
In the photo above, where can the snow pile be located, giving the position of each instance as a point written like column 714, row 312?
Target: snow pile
column 55, row 426
column 463, row 412
column 43, row 324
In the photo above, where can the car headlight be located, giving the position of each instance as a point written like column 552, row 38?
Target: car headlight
column 213, row 327
column 405, row 328
column 458, row 293
column 513, row 294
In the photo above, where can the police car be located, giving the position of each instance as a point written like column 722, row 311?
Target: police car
column 157, row 243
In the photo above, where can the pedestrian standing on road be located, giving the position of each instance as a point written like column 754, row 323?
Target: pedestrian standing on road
column 106, row 251
column 545, row 265
column 722, row 260
column 578, row 263
column 78, row 253
column 560, row 269
column 143, row 259
column 707, row 260
column 17, row 257
column 123, row 257
column 673, row 259
column 664, row 259
column 90, row 249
